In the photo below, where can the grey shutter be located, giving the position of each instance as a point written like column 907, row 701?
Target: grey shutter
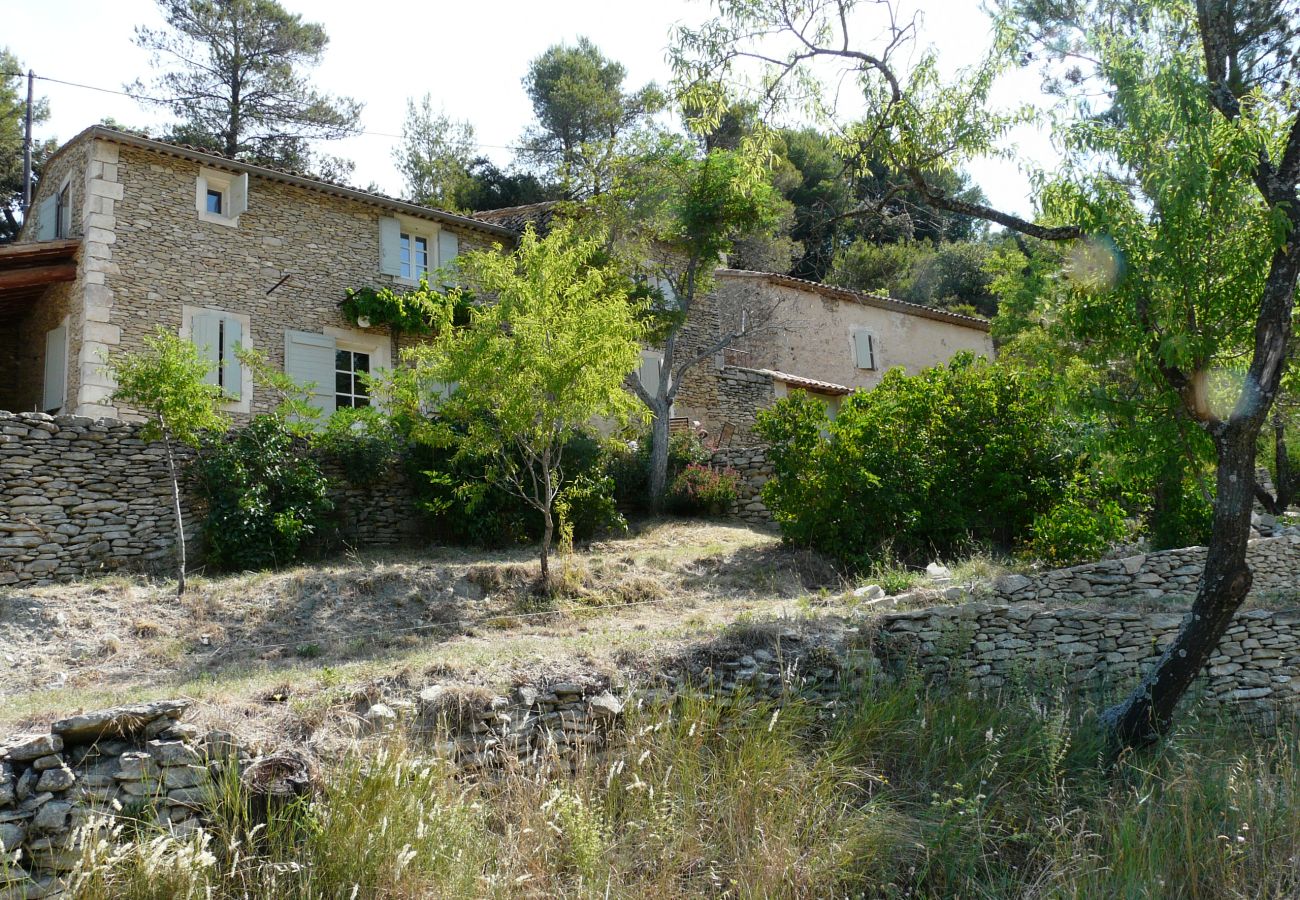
column 56, row 368
column 309, row 359
column 448, row 248
column 205, row 334
column 864, row 350
column 390, row 251
column 649, row 374
column 47, row 219
column 231, row 369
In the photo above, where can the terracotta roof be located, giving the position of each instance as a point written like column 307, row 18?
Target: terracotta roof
column 540, row 215
column 285, row 176
column 810, row 384
column 839, row 293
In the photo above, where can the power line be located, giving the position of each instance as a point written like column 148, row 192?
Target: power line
column 162, row 102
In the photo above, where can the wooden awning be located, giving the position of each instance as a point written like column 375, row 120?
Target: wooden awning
column 27, row 269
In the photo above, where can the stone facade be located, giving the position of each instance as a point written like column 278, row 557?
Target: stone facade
column 81, row 496
column 806, row 331
column 148, row 255
column 1275, row 563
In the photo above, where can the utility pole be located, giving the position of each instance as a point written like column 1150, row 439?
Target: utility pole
column 27, row 149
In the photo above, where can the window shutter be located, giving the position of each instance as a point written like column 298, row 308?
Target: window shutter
column 47, row 219
column 864, row 350
column 309, row 359
column 232, row 369
column 56, row 368
column 651, row 363
column 390, row 255
column 237, row 197
column 448, row 248
column 206, row 335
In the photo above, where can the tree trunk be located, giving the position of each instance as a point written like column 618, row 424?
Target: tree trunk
column 180, row 521
column 1145, row 715
column 548, row 531
column 659, row 438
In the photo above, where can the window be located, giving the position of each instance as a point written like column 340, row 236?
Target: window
column 350, row 367
column 63, row 215
column 864, row 349
column 414, row 255
column 217, row 335
column 221, row 197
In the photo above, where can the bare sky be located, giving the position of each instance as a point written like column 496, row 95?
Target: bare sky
column 469, row 55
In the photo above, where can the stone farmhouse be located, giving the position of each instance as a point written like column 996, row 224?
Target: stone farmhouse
column 128, row 233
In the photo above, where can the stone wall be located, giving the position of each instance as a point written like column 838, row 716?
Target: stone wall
column 80, row 496
column 994, row 646
column 1274, row 561
column 752, row 465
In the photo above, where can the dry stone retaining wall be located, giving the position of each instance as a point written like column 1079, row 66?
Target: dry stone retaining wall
column 1274, row 561
column 752, row 464
column 80, row 496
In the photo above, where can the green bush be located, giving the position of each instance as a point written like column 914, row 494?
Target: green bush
column 957, row 456
column 1079, row 527
column 266, row 496
column 629, row 465
column 700, row 491
column 363, row 440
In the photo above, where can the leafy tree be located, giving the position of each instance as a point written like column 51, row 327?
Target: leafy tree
column 233, row 74
column 13, row 112
column 165, row 382
column 532, row 368
column 679, row 213
column 490, row 187
column 582, row 112
column 948, row 275
column 435, row 155
column 1179, row 195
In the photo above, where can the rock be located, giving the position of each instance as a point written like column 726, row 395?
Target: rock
column 219, row 745
column 11, row 836
column 173, row 753
column 116, row 722
column 53, row 816
column 184, row 776
column 59, row 779
column 380, row 717
column 33, row 747
column 938, row 572
column 52, row 761
column 1011, row 584
column 954, row 594
column 869, row 592
column 527, row 695
column 27, row 784
column 605, row 706
column 135, row 766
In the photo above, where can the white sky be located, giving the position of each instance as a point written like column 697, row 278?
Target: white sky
column 470, row 56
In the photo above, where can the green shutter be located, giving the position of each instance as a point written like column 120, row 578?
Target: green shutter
column 205, row 334
column 56, row 368
column 231, row 370
column 309, row 360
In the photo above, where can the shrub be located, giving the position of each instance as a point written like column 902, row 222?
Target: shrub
column 265, row 496
column 629, row 465
column 699, row 490
column 363, row 440
column 930, row 464
column 1080, row 527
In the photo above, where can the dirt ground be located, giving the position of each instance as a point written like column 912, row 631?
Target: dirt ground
column 232, row 642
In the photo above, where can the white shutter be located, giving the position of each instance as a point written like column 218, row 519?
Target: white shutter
column 205, row 334
column 390, row 251
column 237, row 197
column 864, row 350
column 309, row 360
column 651, row 362
column 56, row 368
column 47, row 217
column 448, row 248
column 232, row 370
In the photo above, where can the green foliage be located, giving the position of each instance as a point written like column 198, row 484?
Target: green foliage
column 629, row 464
column 294, row 403
column 233, row 74
column 363, row 440
column 923, row 465
column 699, row 490
column 13, row 108
column 945, row 275
column 435, row 155
column 1079, row 527
column 166, row 382
column 266, row 497
column 415, row 311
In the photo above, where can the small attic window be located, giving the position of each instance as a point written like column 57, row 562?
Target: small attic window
column 220, row 197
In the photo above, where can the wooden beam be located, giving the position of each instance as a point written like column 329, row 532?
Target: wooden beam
column 35, row 276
